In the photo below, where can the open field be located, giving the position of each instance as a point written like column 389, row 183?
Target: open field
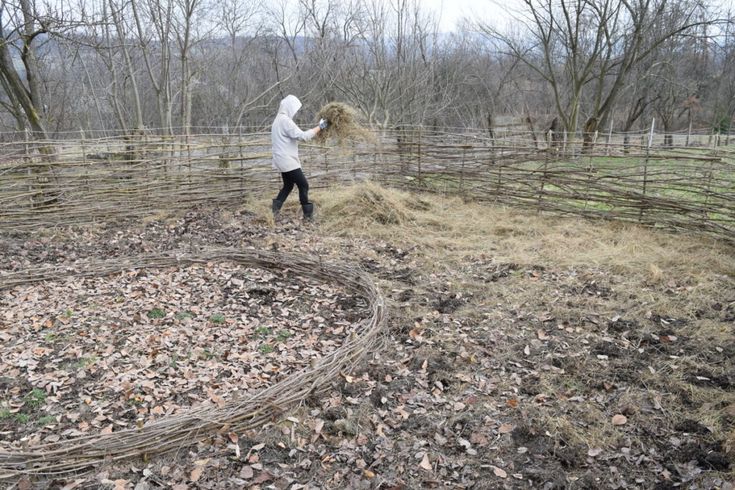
column 522, row 351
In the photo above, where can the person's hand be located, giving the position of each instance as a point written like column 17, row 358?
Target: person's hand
column 323, row 124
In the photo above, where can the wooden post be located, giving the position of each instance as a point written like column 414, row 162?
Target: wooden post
column 708, row 191
column 84, row 159
column 609, row 135
column 461, row 173
column 543, row 182
column 418, row 152
column 645, row 170
column 188, row 155
column 242, row 164
column 650, row 136
column 28, row 161
column 499, row 183
column 689, row 132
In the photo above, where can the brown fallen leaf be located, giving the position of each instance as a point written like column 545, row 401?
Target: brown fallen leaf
column 262, row 478
column 425, row 463
column 196, row 473
column 505, row 429
column 121, row 484
column 246, row 472
column 619, row 419
column 500, row 472
column 594, row 452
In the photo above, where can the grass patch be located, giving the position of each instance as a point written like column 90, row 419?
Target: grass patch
column 265, row 348
column 217, row 319
column 156, row 313
column 183, row 315
column 35, row 399
column 46, row 420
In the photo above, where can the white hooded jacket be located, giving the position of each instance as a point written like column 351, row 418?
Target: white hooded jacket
column 285, row 135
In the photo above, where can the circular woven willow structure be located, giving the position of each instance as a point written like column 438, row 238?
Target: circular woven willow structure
column 242, row 413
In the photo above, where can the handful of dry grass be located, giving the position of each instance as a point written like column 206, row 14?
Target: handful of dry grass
column 343, row 124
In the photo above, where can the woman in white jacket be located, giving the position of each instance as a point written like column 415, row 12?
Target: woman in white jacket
column 285, row 136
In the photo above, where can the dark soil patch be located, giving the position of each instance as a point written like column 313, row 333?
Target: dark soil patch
column 448, row 304
column 691, row 426
column 707, row 456
column 619, row 325
column 608, row 349
column 706, row 378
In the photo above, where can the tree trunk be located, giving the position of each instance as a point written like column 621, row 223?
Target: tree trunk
column 588, row 138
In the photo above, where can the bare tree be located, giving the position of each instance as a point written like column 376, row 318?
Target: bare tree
column 580, row 45
column 20, row 28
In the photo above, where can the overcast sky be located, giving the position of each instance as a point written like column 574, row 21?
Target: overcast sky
column 493, row 11
column 452, row 11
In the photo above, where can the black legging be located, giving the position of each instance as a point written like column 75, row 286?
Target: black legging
column 289, row 179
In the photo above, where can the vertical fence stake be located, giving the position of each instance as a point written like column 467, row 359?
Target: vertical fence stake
column 242, row 163
column 609, row 135
column 461, row 173
column 419, row 157
column 645, row 170
column 543, row 183
column 29, row 161
column 84, row 160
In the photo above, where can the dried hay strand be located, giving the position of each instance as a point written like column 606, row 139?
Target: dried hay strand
column 367, row 204
column 343, row 124
column 82, row 454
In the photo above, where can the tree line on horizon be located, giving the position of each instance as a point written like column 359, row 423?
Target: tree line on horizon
column 172, row 66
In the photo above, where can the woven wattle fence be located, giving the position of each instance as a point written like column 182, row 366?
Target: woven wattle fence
column 238, row 414
column 683, row 182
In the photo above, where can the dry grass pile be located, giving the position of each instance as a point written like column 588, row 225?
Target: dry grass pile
column 369, row 205
column 344, row 124
column 639, row 257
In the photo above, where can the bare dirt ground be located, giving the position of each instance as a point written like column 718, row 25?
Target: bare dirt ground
column 523, row 351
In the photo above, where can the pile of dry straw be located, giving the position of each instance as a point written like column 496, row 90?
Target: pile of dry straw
column 344, row 124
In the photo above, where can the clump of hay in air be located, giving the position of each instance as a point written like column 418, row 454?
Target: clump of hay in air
column 344, row 124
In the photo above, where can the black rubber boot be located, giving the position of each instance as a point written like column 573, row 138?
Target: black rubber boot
column 276, row 208
column 308, row 211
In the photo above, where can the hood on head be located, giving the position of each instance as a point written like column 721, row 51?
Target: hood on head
column 290, row 106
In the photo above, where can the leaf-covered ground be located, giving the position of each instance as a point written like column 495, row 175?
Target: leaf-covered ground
column 106, row 353
column 515, row 357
